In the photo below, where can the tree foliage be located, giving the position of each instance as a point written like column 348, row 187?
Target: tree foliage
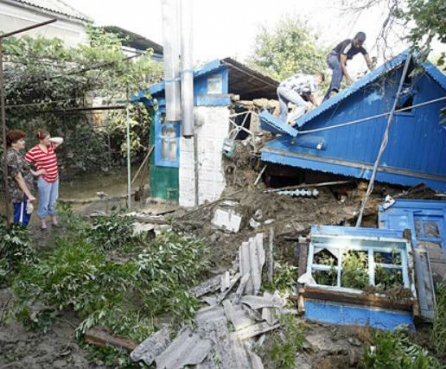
column 47, row 85
column 290, row 48
column 429, row 17
column 422, row 21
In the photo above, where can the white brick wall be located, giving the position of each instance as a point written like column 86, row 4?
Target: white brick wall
column 212, row 125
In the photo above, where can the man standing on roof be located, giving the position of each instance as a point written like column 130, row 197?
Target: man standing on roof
column 298, row 89
column 337, row 61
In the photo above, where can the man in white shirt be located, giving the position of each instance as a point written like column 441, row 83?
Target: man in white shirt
column 298, row 89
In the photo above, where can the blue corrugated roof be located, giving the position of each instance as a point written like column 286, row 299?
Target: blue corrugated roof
column 439, row 77
column 269, row 122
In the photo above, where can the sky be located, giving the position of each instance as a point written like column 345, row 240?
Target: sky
column 228, row 28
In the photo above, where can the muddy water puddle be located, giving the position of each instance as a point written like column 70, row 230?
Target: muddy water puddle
column 86, row 188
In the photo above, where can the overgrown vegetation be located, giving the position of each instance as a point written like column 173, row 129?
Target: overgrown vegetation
column 394, row 350
column 16, row 251
column 439, row 326
column 284, row 278
column 286, row 343
column 355, row 272
column 46, row 82
column 88, row 271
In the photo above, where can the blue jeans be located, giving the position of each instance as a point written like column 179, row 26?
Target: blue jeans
column 336, row 78
column 20, row 214
column 48, row 194
column 287, row 95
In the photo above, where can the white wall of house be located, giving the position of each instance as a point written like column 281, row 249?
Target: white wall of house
column 71, row 31
column 211, row 127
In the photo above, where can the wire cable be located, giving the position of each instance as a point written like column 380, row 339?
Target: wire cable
column 383, row 143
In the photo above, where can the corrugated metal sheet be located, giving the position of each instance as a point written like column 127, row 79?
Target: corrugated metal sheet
column 186, row 349
column 54, row 6
column 252, row 259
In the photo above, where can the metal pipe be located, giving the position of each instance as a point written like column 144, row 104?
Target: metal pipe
column 2, row 103
column 197, row 197
column 27, row 28
column 187, row 74
column 171, row 60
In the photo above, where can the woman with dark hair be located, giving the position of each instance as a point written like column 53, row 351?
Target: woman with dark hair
column 43, row 157
column 20, row 177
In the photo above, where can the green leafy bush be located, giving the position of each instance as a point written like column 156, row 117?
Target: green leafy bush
column 284, row 278
column 393, row 350
column 15, row 250
column 110, row 232
column 169, row 266
column 286, row 343
column 439, row 325
column 355, row 270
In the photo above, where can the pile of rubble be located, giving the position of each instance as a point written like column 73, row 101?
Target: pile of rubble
column 225, row 331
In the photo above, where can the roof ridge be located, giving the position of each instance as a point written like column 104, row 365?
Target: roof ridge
column 427, row 66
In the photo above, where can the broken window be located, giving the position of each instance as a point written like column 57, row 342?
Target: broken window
column 358, row 263
column 406, row 99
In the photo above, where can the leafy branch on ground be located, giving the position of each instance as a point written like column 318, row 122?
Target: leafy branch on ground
column 124, row 294
column 394, row 350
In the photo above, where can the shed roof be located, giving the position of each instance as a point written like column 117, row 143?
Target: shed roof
column 430, row 69
column 248, row 83
column 243, row 81
column 53, row 6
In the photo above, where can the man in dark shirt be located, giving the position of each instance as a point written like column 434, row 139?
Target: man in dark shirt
column 337, row 61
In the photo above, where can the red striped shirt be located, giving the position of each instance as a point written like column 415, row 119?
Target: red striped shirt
column 42, row 160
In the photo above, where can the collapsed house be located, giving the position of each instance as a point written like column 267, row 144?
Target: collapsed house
column 343, row 135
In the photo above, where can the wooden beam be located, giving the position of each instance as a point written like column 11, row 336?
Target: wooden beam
column 102, row 338
column 404, row 304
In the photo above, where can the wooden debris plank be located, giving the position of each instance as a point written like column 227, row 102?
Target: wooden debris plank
column 357, row 299
column 101, row 337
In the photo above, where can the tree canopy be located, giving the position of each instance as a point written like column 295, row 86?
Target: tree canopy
column 292, row 47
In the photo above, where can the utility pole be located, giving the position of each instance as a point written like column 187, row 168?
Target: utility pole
column 2, row 103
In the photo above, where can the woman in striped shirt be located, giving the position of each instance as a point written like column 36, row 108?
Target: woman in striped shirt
column 42, row 156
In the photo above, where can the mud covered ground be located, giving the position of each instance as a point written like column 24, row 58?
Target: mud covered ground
column 290, row 217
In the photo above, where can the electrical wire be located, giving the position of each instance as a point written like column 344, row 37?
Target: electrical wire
column 371, row 117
